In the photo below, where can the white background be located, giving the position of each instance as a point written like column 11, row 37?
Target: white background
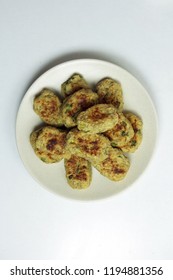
column 38, row 34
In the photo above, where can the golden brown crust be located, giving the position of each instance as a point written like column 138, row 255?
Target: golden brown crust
column 47, row 106
column 136, row 140
column 75, row 103
column 97, row 118
column 87, row 145
column 121, row 133
column 110, row 92
column 49, row 144
column 78, row 172
column 74, row 83
column 115, row 166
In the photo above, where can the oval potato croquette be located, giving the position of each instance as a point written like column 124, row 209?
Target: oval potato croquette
column 74, row 83
column 110, row 92
column 87, row 145
column 98, row 118
column 49, row 144
column 47, row 106
column 78, row 172
column 75, row 103
column 115, row 166
column 136, row 140
column 121, row 133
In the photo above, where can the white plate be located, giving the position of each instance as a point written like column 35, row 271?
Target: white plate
column 136, row 99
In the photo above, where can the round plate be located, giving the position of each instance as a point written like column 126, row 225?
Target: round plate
column 136, row 99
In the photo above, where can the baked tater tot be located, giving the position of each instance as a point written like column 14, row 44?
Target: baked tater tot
column 98, row 118
column 121, row 133
column 78, row 172
column 75, row 103
column 74, row 83
column 49, row 143
column 110, row 92
column 87, row 145
column 136, row 140
column 47, row 106
column 115, row 166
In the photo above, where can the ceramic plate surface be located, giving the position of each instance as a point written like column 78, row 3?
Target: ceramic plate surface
column 136, row 99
